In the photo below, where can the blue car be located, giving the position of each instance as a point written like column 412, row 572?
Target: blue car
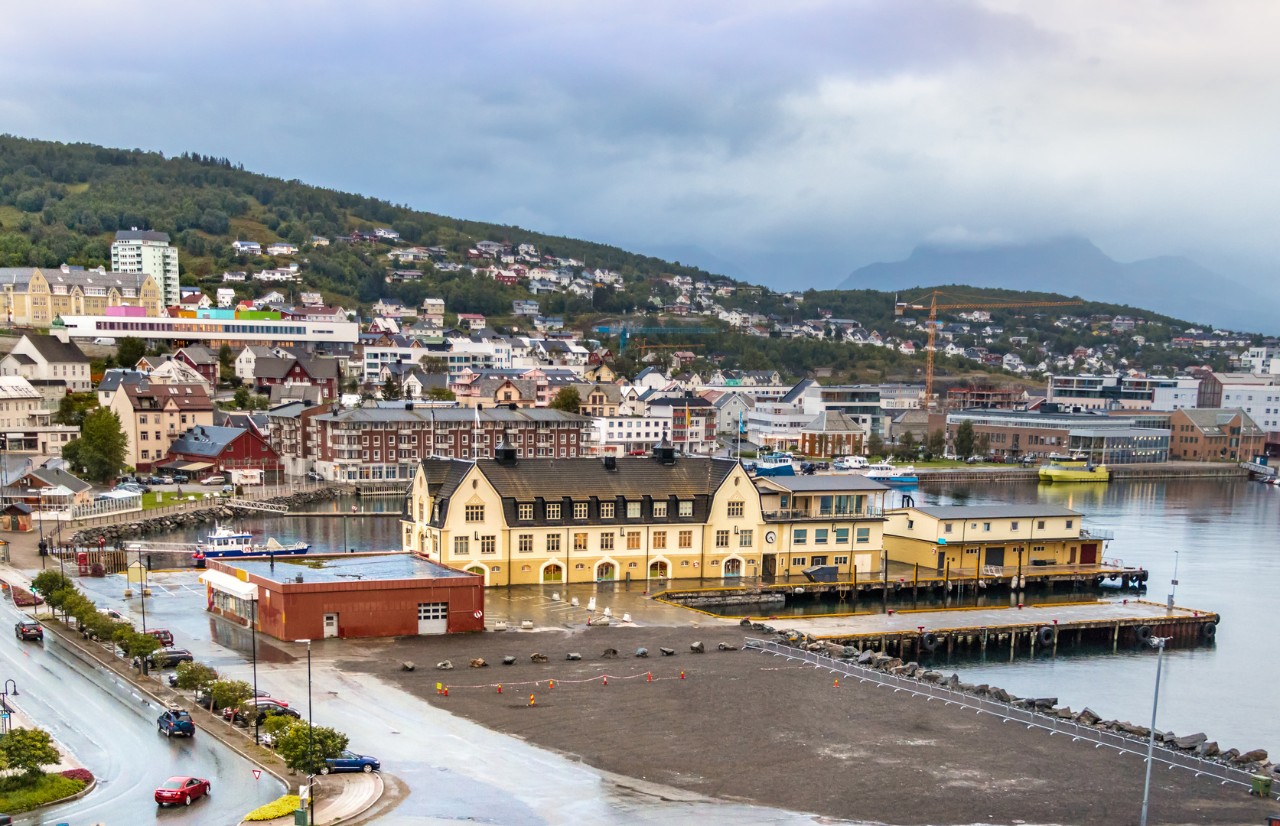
column 349, row 761
column 176, row 721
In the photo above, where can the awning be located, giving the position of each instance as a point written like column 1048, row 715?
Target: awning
column 228, row 584
column 189, row 467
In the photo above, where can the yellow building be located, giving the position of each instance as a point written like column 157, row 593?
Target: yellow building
column 34, row 297
column 823, row 520
column 999, row 539
column 586, row 520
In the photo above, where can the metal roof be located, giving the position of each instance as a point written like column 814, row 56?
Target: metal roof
column 832, row 483
column 996, row 511
column 552, row 479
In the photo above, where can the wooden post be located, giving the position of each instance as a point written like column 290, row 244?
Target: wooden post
column 1055, row 640
column 1115, row 638
column 946, row 582
column 951, row 639
column 1013, row 642
column 915, row 584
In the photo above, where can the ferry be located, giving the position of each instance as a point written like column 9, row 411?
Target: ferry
column 1074, row 470
column 224, row 542
column 887, row 474
column 775, row 464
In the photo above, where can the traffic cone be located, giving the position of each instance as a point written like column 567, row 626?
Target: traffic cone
column 837, row 683
column 606, row 681
column 446, row 691
column 499, row 688
column 682, row 675
column 650, row 677
column 532, row 702
column 551, row 683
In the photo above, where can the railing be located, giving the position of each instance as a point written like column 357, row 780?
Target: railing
column 1097, row 533
column 1123, row 743
column 796, row 514
column 105, row 507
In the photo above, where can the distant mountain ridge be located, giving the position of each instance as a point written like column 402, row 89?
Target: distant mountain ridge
column 1171, row 285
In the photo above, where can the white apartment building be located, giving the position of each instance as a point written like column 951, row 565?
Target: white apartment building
column 1260, row 401
column 621, row 435
column 147, row 251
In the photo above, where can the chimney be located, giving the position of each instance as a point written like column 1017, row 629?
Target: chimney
column 663, row 451
column 505, row 452
column 610, row 463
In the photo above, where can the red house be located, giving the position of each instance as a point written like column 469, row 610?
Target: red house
column 318, row 372
column 201, row 359
column 207, row 450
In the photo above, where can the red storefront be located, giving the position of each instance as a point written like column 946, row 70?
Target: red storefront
column 346, row 595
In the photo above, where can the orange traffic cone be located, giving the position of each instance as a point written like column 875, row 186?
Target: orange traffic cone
column 551, row 683
column 532, row 702
column 499, row 688
column 650, row 677
column 837, row 683
column 682, row 675
column 606, row 681
column 446, row 691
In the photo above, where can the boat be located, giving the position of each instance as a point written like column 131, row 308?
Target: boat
column 1074, row 470
column 225, row 542
column 775, row 464
column 886, row 473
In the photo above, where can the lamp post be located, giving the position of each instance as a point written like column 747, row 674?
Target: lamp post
column 4, row 703
column 1173, row 583
column 253, row 631
column 1158, row 642
column 311, row 800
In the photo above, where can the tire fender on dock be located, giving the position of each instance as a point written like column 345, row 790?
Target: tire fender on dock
column 1144, row 633
column 1045, row 635
column 1209, row 630
column 929, row 641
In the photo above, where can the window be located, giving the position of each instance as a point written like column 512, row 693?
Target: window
column 633, row 540
column 800, row 537
column 1040, row 525
column 553, row 542
column 475, row 513
column 686, row 508
column 525, row 513
column 722, row 539
column 986, row 526
column 1013, row 526
column 579, row 510
column 746, row 538
column 606, row 541
column 863, row 536
column 819, row 536
column 606, row 510
column 145, row 436
column 526, row 543
column 685, row 539
column 633, row 510
column 659, row 510
column 797, row 560
column 842, row 536
column 488, row 544
column 659, row 540
column 461, row 545
column 735, row 510
column 911, row 523
column 579, row 541
column 553, row 510
column 842, row 560
column 1070, row 522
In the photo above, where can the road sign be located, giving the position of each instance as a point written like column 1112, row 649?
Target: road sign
column 257, row 773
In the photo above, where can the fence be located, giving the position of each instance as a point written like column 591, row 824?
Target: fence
column 203, row 500
column 1123, row 743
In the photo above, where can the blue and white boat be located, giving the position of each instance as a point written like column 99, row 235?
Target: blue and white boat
column 775, row 464
column 224, row 542
column 887, row 474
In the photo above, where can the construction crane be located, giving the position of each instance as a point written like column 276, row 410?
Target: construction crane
column 901, row 308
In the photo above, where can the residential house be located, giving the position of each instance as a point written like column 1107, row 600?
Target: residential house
column 692, row 420
column 45, row 358
column 282, row 248
column 832, row 434
column 203, row 360
column 111, row 381
column 249, row 356
column 246, row 247
column 226, row 297
column 205, row 450
column 324, row 373
column 153, row 415
column 432, row 313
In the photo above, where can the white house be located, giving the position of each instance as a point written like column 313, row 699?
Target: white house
column 226, row 297
column 282, row 248
column 247, row 247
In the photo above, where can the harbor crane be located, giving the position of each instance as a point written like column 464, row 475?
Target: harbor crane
column 902, row 307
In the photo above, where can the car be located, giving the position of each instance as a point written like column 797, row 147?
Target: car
column 28, row 629
column 134, row 487
column 176, row 721
column 182, row 789
column 228, row 489
column 213, row 480
column 205, row 700
column 181, row 478
column 349, row 761
column 164, row 480
column 314, row 476
column 257, row 710
column 156, row 480
column 162, row 634
column 169, row 657
column 104, row 341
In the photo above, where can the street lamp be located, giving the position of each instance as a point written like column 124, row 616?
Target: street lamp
column 253, row 631
column 4, row 703
column 1158, row 643
column 1173, row 583
column 311, row 800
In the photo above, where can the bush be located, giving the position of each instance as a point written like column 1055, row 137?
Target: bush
column 277, row 808
column 78, row 774
column 22, row 794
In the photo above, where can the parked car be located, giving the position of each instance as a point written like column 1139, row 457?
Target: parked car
column 29, row 629
column 181, row 478
column 213, row 480
column 314, row 476
column 156, row 480
column 181, row 790
column 162, row 634
column 349, row 761
column 133, row 487
column 165, row 480
column 176, row 721
column 228, row 489
column 203, row 699
column 169, row 657
column 257, row 710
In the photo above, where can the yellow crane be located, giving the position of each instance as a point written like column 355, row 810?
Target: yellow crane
column 901, row 308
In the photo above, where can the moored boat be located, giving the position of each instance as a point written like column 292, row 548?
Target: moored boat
column 225, row 542
column 1074, row 471
column 775, row 464
column 886, row 473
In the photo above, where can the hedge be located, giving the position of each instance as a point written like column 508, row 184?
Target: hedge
column 283, row 807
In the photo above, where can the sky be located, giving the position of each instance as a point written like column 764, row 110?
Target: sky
column 783, row 142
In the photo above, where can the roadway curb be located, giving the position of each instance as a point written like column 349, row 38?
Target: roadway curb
column 288, row 819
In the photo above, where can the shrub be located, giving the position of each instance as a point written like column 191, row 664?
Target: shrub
column 78, row 774
column 277, row 808
column 22, row 794
column 24, row 598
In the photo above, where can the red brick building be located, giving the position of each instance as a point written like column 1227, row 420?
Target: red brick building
column 1214, row 435
column 345, row 596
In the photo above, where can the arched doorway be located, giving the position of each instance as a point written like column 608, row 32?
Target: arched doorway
column 552, row 573
column 658, row 569
column 733, row 567
column 606, row 571
column 478, row 570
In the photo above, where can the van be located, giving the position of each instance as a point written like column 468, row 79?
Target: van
column 851, row 463
column 163, row 635
column 105, row 342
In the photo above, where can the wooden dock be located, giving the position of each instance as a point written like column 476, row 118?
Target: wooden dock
column 1119, row 473
column 1032, row 628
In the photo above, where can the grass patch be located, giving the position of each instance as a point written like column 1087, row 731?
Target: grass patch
column 22, row 794
column 162, row 499
column 310, row 563
column 282, row 807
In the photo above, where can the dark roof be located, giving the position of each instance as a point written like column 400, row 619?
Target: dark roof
column 22, row 358
column 834, row 483
column 797, row 391
column 199, row 354
column 270, row 367
column 117, row 376
column 56, row 476
column 206, row 440
column 996, row 511
column 146, row 396
column 634, row 477
column 680, row 401
column 141, row 235
column 54, row 350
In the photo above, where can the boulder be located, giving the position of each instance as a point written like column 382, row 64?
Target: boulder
column 724, row 646
column 610, row 654
column 407, row 666
column 1132, row 728
column 667, row 652
column 479, row 662
column 1044, row 703
column 642, row 652
column 952, row 682
column 1065, row 713
column 1255, row 756
column 1191, row 742
column 1087, row 717
column 899, row 671
column 912, row 668
column 834, row 649
column 866, row 656
column 573, row 655
column 1229, row 755
column 444, row 665
column 1000, row 695
column 696, row 647
column 966, row 687
column 931, row 677
column 538, row 658
column 982, row 690
column 508, row 660
column 1209, row 749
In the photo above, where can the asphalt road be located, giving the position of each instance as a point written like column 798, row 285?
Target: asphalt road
column 111, row 730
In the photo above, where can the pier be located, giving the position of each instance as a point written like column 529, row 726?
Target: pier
column 1119, row 473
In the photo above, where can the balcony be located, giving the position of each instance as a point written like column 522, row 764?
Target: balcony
column 821, row 515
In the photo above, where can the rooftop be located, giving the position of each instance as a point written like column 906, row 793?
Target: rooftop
column 345, row 568
column 996, row 511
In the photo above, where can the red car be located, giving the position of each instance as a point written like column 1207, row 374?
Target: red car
column 181, row 790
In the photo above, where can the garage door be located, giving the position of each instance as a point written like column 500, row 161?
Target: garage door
column 433, row 617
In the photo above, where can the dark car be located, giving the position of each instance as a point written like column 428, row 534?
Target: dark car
column 256, row 712
column 181, row 790
column 313, row 476
column 156, row 480
column 28, row 629
column 169, row 657
column 176, row 721
column 181, row 478
column 349, row 761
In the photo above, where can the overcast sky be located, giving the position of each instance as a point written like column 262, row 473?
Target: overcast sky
column 790, row 142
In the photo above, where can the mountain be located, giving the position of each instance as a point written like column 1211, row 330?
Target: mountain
column 1171, row 285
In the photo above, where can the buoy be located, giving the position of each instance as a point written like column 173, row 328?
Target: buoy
column 551, row 683
column 532, row 702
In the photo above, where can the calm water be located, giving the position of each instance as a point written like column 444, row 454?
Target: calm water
column 1222, row 534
